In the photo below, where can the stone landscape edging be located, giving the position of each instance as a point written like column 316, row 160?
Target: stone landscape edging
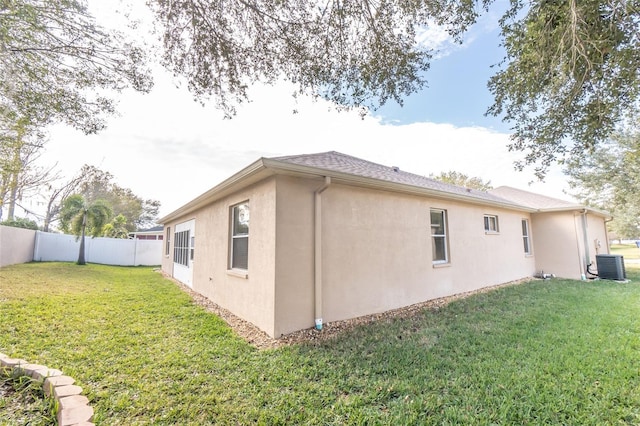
column 73, row 408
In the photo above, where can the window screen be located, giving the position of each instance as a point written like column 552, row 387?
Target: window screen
column 181, row 248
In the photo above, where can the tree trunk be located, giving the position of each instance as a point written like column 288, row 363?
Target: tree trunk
column 16, row 167
column 52, row 211
column 13, row 194
column 47, row 223
column 81, row 260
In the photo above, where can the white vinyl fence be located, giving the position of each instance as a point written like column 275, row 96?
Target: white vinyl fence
column 47, row 247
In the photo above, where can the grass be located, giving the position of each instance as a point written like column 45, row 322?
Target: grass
column 545, row 352
column 629, row 251
column 22, row 402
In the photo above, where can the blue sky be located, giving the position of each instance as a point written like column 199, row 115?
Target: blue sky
column 167, row 147
column 457, row 90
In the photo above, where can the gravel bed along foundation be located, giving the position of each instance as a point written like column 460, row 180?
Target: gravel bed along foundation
column 261, row 340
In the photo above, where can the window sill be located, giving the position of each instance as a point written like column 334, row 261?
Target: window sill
column 491, row 233
column 441, row 265
column 238, row 273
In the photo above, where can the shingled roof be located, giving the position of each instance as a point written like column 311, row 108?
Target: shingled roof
column 356, row 171
column 533, row 200
column 337, row 162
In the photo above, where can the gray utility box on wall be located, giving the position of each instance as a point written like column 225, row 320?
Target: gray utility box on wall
column 611, row 267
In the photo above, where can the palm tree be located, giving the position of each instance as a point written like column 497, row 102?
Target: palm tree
column 80, row 217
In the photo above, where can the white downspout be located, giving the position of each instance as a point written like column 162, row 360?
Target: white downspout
column 317, row 252
column 587, row 254
column 583, row 273
column 606, row 235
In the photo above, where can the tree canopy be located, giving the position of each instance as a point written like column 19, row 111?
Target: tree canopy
column 81, row 217
column 57, row 64
column 610, row 179
column 355, row 53
column 20, row 174
column 570, row 77
column 117, row 228
column 20, row 222
column 99, row 185
column 461, row 179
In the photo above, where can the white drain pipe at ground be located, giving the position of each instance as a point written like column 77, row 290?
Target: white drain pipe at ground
column 317, row 282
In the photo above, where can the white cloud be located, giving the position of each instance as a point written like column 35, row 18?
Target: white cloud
column 165, row 146
column 436, row 37
column 433, row 36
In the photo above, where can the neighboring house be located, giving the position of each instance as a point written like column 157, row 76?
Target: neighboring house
column 155, row 233
column 289, row 242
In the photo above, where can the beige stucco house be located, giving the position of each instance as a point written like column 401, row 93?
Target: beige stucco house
column 289, row 242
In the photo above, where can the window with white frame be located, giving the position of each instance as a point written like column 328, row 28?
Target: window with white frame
column 168, row 242
column 491, row 223
column 439, row 236
column 526, row 239
column 181, row 248
column 239, row 253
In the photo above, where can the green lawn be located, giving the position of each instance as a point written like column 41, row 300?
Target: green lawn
column 545, row 352
column 629, row 251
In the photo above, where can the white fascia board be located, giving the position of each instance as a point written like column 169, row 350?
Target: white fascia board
column 575, row 208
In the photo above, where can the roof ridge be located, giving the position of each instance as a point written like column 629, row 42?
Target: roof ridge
column 351, row 157
column 285, row 157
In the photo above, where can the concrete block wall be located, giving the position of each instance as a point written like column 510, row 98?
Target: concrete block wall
column 16, row 245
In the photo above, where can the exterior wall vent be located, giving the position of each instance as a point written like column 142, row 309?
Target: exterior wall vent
column 611, row 267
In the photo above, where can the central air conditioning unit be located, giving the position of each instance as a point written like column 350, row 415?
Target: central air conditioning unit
column 611, row 267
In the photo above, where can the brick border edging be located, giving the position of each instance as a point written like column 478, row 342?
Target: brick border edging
column 73, row 408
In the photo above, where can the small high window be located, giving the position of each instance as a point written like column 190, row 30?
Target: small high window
column 240, row 236
column 168, row 242
column 491, row 223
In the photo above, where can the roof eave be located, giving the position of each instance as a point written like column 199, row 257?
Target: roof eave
column 574, row 208
column 247, row 176
column 264, row 167
column 281, row 167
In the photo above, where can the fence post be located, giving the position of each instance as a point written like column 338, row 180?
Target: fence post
column 36, row 246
